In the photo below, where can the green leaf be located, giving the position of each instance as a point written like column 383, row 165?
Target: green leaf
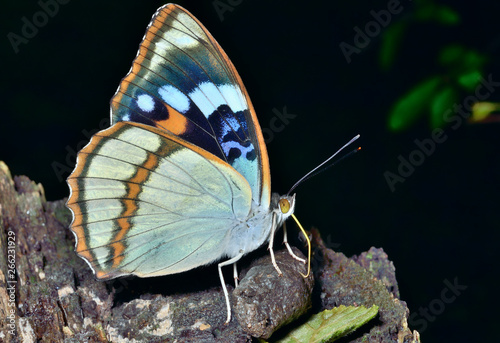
column 442, row 102
column 447, row 16
column 413, row 104
column 330, row 325
column 459, row 60
column 470, row 80
column 428, row 11
column 391, row 41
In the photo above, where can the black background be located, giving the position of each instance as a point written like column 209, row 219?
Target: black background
column 440, row 224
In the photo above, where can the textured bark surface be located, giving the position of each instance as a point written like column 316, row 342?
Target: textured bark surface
column 48, row 294
column 265, row 301
column 354, row 282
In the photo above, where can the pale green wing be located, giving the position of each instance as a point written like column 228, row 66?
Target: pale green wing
column 148, row 203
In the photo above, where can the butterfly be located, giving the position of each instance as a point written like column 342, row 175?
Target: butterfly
column 181, row 178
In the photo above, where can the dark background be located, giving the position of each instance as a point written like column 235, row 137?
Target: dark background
column 440, row 224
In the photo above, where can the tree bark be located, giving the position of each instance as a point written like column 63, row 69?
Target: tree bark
column 48, row 294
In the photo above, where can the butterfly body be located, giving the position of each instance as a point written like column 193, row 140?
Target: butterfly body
column 255, row 230
column 181, row 179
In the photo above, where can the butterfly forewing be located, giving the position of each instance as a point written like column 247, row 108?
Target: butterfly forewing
column 183, row 82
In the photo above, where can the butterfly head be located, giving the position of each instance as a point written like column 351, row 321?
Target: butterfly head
column 287, row 204
column 284, row 206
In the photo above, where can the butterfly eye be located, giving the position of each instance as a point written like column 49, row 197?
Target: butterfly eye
column 284, row 205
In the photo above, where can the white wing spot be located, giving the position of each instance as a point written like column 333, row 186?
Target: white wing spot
column 185, row 41
column 175, row 98
column 177, row 34
column 234, row 97
column 145, row 102
column 208, row 97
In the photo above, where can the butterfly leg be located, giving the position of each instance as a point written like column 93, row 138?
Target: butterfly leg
column 271, row 242
column 285, row 241
column 224, row 288
column 235, row 275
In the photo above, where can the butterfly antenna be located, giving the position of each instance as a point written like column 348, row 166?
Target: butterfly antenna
column 317, row 169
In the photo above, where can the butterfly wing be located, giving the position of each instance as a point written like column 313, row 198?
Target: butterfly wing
column 183, row 82
column 169, row 204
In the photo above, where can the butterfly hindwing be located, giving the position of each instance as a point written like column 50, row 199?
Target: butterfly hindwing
column 148, row 203
column 183, row 82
